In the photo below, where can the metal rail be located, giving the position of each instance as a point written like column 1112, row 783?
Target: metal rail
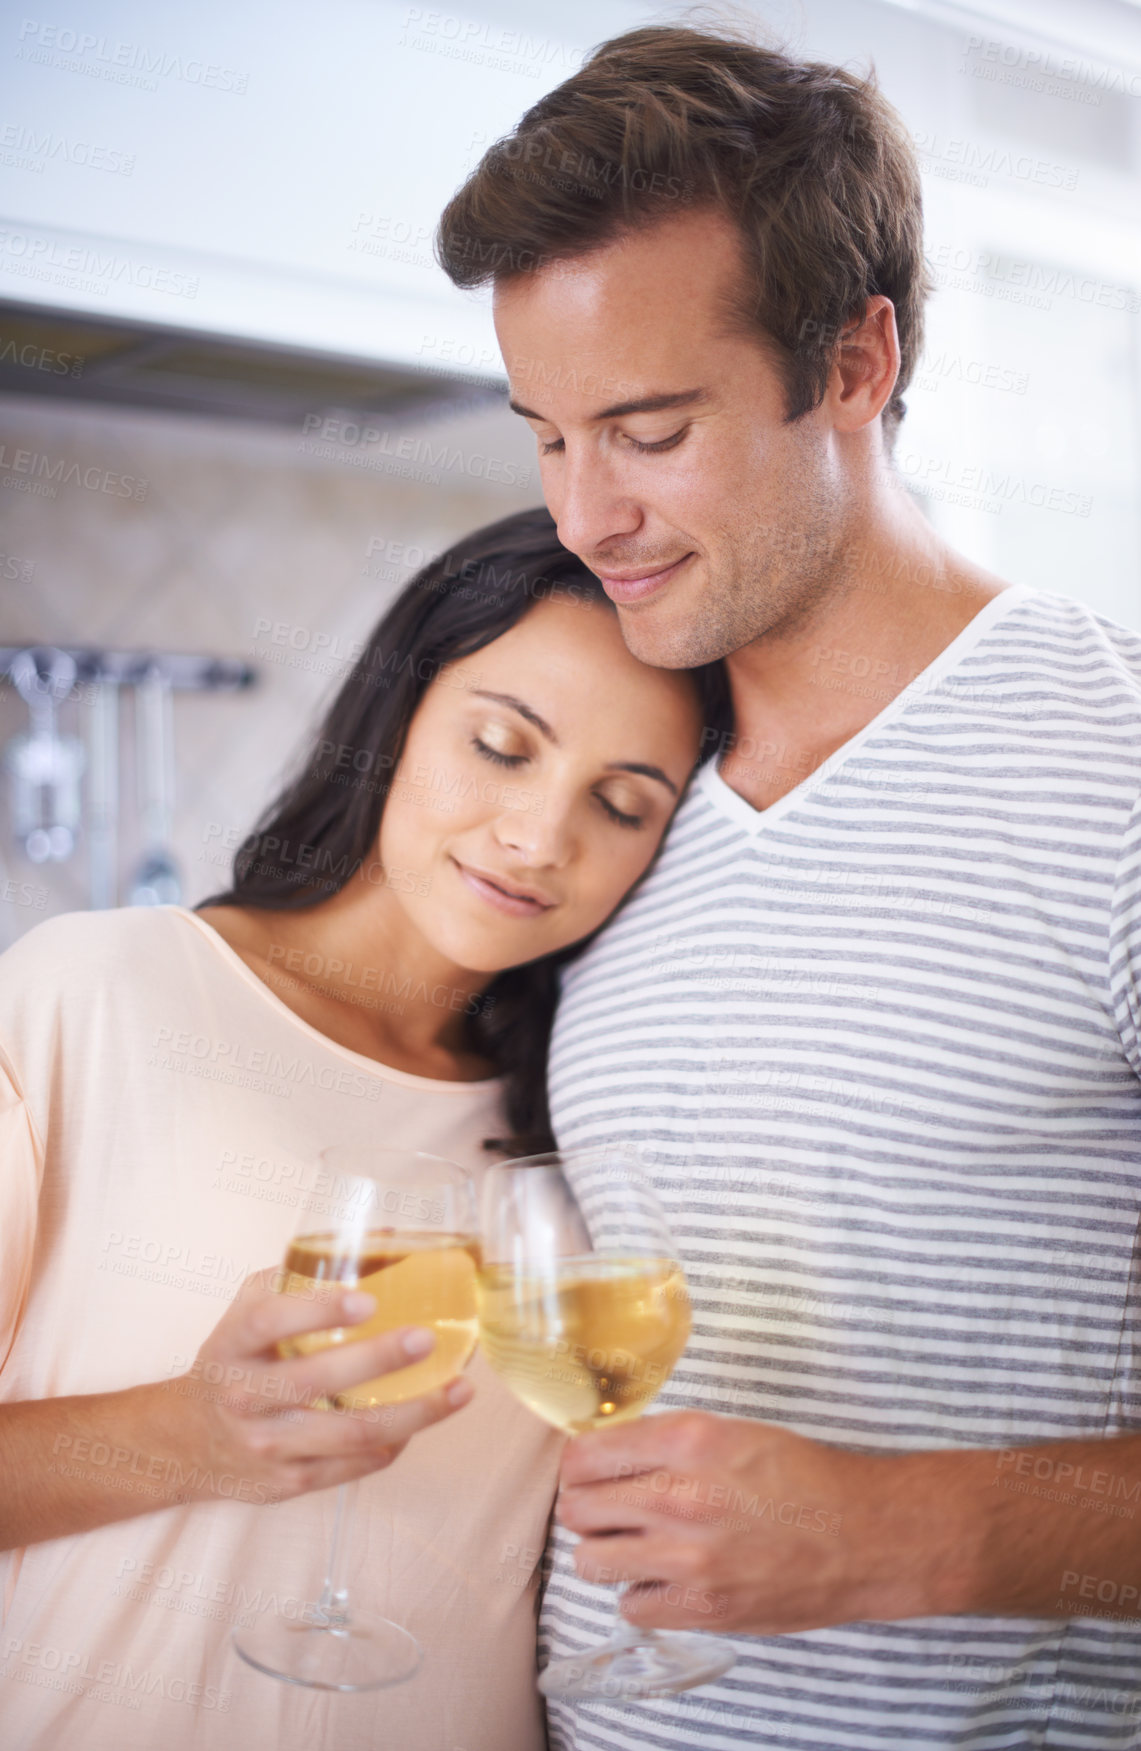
column 182, row 670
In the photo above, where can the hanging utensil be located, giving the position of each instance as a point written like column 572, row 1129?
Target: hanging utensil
column 156, row 880
column 44, row 768
column 103, row 793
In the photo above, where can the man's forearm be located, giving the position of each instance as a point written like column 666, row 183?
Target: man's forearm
column 725, row 1520
column 1036, row 1531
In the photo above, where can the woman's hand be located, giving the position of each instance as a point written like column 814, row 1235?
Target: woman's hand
column 239, row 1425
column 243, row 1413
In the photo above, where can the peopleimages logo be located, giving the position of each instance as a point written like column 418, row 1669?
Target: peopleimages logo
column 28, row 356
column 24, row 148
column 57, row 471
column 118, row 1681
column 368, row 446
column 986, row 488
column 75, row 264
column 1043, row 70
column 106, row 57
column 1033, row 283
column 273, row 1072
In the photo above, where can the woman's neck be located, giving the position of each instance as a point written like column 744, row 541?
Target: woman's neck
column 355, row 968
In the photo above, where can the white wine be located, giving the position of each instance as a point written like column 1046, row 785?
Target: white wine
column 589, row 1344
column 417, row 1278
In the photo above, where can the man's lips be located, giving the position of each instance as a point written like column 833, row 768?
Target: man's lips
column 631, row 586
column 504, row 896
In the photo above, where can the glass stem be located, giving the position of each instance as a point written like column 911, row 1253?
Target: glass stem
column 332, row 1609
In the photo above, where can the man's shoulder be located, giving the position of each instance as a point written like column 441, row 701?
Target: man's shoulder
column 1068, row 645
column 1050, row 685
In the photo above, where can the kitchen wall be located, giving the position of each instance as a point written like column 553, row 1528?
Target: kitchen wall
column 189, row 534
column 1022, row 442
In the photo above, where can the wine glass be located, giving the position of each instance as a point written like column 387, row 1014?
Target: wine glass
column 583, row 1310
column 400, row 1225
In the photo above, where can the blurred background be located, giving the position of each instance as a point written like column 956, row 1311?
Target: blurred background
column 239, row 404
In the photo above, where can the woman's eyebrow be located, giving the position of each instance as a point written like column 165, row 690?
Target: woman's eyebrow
column 524, row 710
column 644, row 771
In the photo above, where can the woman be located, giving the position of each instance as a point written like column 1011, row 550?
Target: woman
column 494, row 776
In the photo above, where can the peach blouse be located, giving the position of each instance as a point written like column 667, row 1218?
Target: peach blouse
column 160, row 1112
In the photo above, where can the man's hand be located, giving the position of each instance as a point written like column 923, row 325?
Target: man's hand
column 721, row 1522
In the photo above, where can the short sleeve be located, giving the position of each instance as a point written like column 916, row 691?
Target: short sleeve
column 21, row 1174
column 1125, row 942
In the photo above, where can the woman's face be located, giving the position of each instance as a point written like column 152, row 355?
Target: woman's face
column 536, row 782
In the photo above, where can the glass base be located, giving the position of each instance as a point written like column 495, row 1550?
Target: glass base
column 642, row 1663
column 323, row 1653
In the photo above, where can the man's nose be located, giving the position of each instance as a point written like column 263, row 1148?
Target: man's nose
column 587, row 499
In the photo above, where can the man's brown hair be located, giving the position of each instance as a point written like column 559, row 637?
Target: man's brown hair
column 808, row 160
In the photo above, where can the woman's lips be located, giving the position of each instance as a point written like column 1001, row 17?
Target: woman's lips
column 516, row 905
column 633, row 589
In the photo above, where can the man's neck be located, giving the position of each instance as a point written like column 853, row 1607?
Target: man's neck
column 901, row 597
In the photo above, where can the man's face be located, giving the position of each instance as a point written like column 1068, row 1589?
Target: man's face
column 665, row 457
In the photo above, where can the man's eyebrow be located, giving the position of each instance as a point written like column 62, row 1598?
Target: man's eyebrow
column 643, row 404
column 645, row 771
column 524, row 710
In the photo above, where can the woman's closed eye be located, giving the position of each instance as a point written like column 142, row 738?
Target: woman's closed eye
column 498, row 755
column 621, row 816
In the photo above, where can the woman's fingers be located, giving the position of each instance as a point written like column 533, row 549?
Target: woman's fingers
column 343, row 1433
column 260, row 1319
column 432, row 1407
column 241, row 1398
column 327, row 1372
column 242, row 1359
column 361, row 1438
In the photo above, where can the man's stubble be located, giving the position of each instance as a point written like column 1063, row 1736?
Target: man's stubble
column 769, row 579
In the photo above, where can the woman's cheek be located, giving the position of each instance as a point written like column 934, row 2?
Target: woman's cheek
column 401, row 832
column 620, row 874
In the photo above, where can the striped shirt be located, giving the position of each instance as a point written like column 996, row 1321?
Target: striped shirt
column 879, row 1044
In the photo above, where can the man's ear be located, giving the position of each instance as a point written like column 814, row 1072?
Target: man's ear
column 866, row 367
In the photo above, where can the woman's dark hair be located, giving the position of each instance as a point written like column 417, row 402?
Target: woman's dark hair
column 323, row 826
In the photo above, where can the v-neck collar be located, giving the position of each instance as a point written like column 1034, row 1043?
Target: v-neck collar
column 727, row 801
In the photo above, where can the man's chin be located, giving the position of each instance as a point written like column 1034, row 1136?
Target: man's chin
column 661, row 640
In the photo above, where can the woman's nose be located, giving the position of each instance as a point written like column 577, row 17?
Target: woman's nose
column 539, row 835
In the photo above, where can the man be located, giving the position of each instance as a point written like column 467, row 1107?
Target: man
column 872, row 1018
